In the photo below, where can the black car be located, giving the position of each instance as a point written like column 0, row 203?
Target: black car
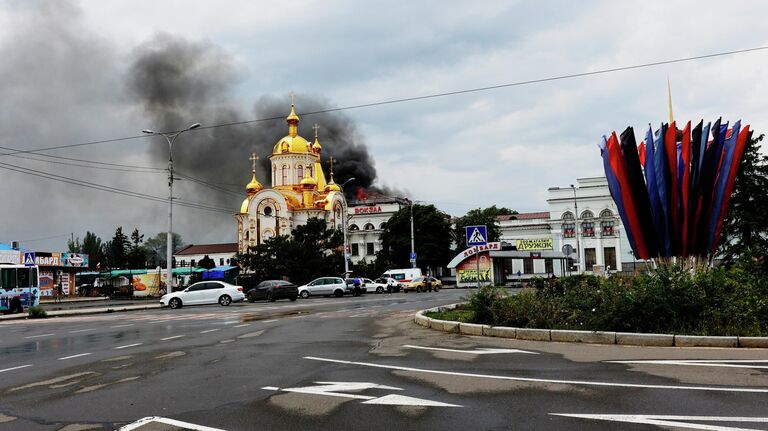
column 272, row 290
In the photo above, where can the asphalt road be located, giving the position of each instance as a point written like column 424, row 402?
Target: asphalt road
column 354, row 363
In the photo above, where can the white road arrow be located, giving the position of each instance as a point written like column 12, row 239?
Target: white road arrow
column 337, row 389
column 688, row 422
column 727, row 363
column 478, row 351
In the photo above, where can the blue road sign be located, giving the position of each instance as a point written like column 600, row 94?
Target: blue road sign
column 29, row 258
column 476, row 235
column 413, row 257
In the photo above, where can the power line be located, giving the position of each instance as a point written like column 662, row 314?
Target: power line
column 75, row 181
column 424, row 97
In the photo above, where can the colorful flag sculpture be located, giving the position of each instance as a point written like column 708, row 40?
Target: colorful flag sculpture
column 672, row 190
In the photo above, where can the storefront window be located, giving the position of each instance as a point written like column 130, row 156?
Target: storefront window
column 527, row 265
column 610, row 257
column 548, row 267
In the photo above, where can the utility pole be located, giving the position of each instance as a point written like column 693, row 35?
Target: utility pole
column 413, row 246
column 170, row 137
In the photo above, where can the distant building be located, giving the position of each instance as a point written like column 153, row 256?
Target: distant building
column 222, row 254
column 365, row 225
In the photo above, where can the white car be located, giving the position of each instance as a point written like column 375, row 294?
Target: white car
column 323, row 286
column 381, row 284
column 204, row 292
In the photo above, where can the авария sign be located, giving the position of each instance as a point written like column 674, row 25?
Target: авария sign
column 368, row 210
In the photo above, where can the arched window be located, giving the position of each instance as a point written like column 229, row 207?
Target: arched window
column 354, row 227
column 567, row 215
column 309, row 171
column 274, row 175
column 267, row 211
column 587, row 215
column 381, row 226
column 606, row 213
column 369, row 226
column 607, row 227
column 299, row 172
column 284, row 175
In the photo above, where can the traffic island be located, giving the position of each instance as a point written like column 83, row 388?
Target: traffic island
column 586, row 337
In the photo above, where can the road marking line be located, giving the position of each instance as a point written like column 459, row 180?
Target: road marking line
column 477, row 351
column 82, row 330
column 122, row 326
column 184, row 425
column 210, row 330
column 242, row 326
column 160, row 321
column 270, row 388
column 15, row 368
column 38, row 336
column 127, row 346
column 269, row 321
column 733, row 363
column 555, row 381
column 672, row 421
column 171, row 338
column 74, row 356
column 359, row 315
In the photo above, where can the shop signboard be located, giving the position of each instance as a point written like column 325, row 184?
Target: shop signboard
column 534, row 244
column 10, row 256
column 149, row 284
column 48, row 259
column 467, row 270
column 46, row 283
column 74, row 260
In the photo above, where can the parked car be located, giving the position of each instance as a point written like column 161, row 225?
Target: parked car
column 384, row 284
column 424, row 284
column 326, row 286
column 272, row 290
column 204, row 292
column 351, row 286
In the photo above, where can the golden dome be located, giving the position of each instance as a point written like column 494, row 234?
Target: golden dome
column 244, row 205
column 332, row 187
column 308, row 180
column 316, row 146
column 292, row 116
column 291, row 144
column 254, row 186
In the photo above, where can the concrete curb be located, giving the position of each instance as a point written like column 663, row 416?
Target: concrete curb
column 590, row 337
column 81, row 312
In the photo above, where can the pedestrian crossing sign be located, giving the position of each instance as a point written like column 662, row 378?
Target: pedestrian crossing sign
column 476, row 235
column 29, row 258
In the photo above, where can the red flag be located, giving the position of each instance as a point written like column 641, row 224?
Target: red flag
column 616, row 159
column 686, row 186
column 641, row 153
column 738, row 153
column 670, row 144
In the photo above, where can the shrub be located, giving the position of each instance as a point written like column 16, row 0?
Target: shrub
column 37, row 312
column 671, row 299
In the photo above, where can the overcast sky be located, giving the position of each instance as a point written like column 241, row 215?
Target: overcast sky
column 67, row 67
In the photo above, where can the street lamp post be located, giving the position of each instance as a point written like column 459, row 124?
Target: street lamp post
column 170, row 137
column 576, row 227
column 344, row 221
column 413, row 249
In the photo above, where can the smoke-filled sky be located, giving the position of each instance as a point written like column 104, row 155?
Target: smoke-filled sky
column 81, row 71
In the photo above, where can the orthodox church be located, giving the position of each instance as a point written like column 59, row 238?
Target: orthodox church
column 299, row 191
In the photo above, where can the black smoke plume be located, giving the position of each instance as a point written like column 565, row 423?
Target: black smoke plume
column 180, row 82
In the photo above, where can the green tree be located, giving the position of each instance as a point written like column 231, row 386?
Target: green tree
column 74, row 246
column 117, row 250
column 156, row 247
column 745, row 229
column 93, row 247
column 432, row 238
column 485, row 216
column 313, row 251
column 137, row 252
column 206, row 262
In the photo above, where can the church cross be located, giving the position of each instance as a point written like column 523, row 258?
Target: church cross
column 316, row 127
column 253, row 159
column 292, row 98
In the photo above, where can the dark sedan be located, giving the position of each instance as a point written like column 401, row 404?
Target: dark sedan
column 272, row 290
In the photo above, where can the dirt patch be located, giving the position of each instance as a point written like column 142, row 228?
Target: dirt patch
column 474, row 385
column 251, row 334
column 307, row 404
column 54, row 381
column 118, row 358
column 175, row 354
column 82, row 427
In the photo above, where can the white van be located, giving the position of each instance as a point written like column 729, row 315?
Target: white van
column 403, row 276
